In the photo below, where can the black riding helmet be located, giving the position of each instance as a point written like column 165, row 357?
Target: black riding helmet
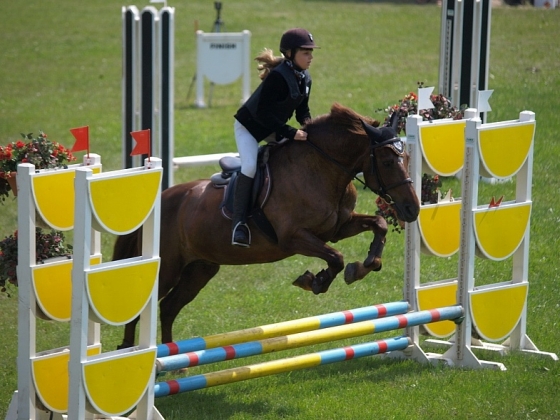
column 296, row 38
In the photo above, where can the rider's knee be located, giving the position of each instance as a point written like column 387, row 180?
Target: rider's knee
column 249, row 169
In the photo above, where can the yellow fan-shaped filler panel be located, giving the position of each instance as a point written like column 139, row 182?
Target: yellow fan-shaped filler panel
column 122, row 203
column 440, row 227
column 438, row 296
column 54, row 197
column 115, row 385
column 499, row 231
column 50, row 374
column 53, row 288
column 117, row 295
column 503, row 150
column 496, row 312
column 443, row 146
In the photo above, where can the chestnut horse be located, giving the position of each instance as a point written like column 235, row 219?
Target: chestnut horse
column 311, row 202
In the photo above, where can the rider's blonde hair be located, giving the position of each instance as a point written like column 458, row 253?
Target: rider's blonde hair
column 267, row 61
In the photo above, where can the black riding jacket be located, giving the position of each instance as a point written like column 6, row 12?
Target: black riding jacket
column 274, row 102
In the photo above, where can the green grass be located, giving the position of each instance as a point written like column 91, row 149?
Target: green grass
column 61, row 68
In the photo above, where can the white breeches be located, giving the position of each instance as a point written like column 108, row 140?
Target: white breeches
column 248, row 148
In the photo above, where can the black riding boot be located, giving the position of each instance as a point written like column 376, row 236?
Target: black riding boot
column 241, row 235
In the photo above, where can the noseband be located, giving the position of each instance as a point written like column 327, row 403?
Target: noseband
column 396, row 145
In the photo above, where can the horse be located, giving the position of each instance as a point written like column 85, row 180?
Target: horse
column 311, row 202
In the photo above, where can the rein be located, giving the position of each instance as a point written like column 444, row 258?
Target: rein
column 337, row 163
column 383, row 190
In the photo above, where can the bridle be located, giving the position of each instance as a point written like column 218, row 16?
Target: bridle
column 396, row 145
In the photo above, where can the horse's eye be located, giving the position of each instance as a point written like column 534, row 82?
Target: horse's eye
column 388, row 163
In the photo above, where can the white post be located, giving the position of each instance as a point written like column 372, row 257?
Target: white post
column 80, row 306
column 26, row 308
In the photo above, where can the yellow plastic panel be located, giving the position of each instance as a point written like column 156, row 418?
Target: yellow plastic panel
column 117, row 295
column 503, row 150
column 440, row 227
column 443, row 147
column 500, row 230
column 50, row 374
column 115, row 386
column 54, row 197
column 121, row 204
column 496, row 312
column 438, row 296
column 53, row 288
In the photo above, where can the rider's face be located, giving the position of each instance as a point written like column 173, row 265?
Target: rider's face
column 303, row 58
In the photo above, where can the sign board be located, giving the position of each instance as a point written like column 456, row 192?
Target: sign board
column 222, row 58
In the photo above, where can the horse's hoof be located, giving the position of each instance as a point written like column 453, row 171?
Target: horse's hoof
column 304, row 281
column 321, row 283
column 124, row 345
column 350, row 273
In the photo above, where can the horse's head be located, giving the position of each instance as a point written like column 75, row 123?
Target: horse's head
column 386, row 173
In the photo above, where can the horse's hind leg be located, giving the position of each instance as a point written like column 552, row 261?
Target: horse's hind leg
column 193, row 279
column 129, row 334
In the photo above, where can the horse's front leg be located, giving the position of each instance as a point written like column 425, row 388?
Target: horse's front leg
column 357, row 224
column 306, row 243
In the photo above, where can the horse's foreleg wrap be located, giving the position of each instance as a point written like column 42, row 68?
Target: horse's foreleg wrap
column 375, row 253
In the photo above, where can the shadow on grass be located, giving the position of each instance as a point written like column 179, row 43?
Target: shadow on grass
column 278, row 397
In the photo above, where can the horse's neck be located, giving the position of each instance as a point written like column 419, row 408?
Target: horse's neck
column 323, row 169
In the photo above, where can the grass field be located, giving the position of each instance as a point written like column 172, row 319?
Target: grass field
column 61, row 68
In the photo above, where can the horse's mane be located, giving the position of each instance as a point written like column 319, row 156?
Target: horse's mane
column 342, row 117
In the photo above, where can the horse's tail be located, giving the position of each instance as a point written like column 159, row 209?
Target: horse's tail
column 128, row 246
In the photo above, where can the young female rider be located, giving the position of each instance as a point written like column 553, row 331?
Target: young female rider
column 284, row 89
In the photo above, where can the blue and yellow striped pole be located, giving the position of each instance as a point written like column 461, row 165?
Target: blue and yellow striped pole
column 163, row 389
column 299, row 340
column 283, row 328
column 305, row 338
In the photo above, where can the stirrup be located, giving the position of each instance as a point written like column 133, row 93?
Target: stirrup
column 242, row 229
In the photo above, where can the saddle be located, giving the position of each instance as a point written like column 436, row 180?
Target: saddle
column 227, row 178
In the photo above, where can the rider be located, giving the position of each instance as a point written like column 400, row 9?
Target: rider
column 285, row 89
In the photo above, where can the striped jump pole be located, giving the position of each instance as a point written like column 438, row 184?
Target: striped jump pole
column 283, row 328
column 192, row 383
column 306, row 338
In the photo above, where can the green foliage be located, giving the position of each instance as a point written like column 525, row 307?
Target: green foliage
column 47, row 245
column 38, row 151
column 70, row 76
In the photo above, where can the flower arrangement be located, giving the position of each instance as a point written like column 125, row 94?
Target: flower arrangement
column 48, row 245
column 430, row 184
column 408, row 105
column 39, row 151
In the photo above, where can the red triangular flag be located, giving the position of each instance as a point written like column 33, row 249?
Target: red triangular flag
column 494, row 203
column 142, row 138
column 81, row 134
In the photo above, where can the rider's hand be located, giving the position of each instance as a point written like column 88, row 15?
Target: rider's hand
column 300, row 135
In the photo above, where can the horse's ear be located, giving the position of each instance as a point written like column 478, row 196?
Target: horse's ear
column 373, row 133
column 394, row 121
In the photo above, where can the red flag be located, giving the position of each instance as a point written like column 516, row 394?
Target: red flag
column 494, row 203
column 142, row 138
column 81, row 134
